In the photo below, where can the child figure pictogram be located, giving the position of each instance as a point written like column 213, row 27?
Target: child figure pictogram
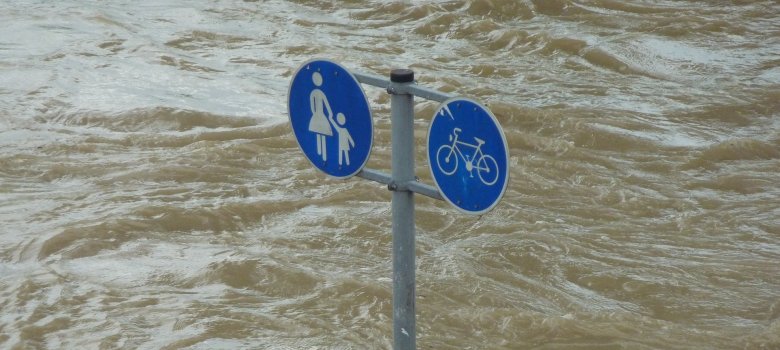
column 346, row 143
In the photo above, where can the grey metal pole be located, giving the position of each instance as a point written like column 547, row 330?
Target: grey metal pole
column 402, row 143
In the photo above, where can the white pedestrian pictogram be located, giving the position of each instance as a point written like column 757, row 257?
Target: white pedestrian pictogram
column 319, row 121
column 345, row 139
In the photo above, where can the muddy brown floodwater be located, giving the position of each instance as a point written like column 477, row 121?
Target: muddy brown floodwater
column 152, row 195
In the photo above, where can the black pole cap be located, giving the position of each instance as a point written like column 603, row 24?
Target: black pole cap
column 402, row 75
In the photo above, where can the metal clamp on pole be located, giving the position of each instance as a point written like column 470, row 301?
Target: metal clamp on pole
column 414, row 89
column 402, row 144
column 415, row 186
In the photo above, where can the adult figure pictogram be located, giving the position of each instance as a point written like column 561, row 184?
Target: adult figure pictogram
column 319, row 121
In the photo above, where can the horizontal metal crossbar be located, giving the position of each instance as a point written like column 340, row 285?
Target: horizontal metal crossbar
column 412, row 186
column 412, row 89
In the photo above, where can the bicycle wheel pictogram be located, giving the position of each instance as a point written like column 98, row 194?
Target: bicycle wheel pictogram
column 447, row 160
column 487, row 170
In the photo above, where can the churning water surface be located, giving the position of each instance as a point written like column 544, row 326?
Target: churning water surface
column 152, row 195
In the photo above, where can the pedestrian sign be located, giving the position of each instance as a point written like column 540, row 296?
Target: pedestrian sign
column 468, row 155
column 330, row 118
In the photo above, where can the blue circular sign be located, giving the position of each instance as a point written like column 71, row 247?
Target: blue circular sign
column 468, row 155
column 330, row 118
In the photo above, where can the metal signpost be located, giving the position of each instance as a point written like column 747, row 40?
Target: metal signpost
column 467, row 154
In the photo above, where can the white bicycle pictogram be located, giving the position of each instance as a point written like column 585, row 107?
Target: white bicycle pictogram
column 447, row 159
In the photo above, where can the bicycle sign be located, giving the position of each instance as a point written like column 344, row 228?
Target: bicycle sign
column 468, row 155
